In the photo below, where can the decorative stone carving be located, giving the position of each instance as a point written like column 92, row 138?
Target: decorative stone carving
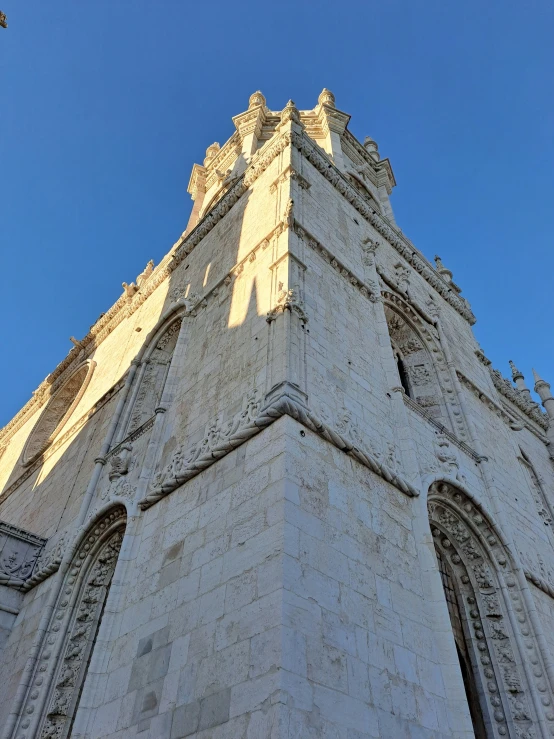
column 467, row 541
column 369, row 248
column 520, row 400
column 119, row 463
column 19, row 552
column 446, row 455
column 73, row 627
column 154, row 377
column 220, row 439
column 290, row 300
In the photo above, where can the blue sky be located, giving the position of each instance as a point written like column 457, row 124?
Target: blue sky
column 105, row 106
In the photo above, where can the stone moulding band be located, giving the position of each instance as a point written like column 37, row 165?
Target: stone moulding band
column 500, row 412
column 284, row 405
column 539, row 583
column 453, row 438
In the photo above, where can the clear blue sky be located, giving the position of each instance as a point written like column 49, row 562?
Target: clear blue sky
column 105, row 106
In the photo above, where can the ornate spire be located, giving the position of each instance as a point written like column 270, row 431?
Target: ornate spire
column 290, row 113
column 256, row 99
column 371, row 147
column 519, row 380
column 516, row 374
column 446, row 274
column 543, row 389
column 326, row 97
column 211, row 151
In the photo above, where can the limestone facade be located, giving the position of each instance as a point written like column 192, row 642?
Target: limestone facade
column 278, row 490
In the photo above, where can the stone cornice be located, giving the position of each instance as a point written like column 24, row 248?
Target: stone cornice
column 315, row 155
column 187, row 463
column 531, row 409
column 509, row 418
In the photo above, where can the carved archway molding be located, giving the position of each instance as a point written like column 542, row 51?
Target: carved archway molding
column 429, row 337
column 59, row 671
column 515, row 693
column 57, row 412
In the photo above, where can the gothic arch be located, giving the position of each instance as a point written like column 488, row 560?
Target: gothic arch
column 57, row 412
column 152, row 376
column 544, row 509
column 508, row 670
column 419, row 358
column 60, row 671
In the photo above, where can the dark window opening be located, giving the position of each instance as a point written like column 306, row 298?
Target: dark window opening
column 468, row 678
column 403, row 376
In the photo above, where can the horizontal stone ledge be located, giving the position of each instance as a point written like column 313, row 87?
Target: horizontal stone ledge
column 281, row 406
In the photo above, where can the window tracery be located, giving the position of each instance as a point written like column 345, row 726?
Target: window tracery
column 415, row 367
column 57, row 411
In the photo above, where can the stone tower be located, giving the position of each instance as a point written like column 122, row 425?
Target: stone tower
column 278, row 491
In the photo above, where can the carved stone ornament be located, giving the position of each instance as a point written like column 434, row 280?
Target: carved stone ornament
column 154, row 377
column 19, row 552
column 482, row 570
column 57, row 412
column 223, row 437
column 290, row 300
column 74, row 623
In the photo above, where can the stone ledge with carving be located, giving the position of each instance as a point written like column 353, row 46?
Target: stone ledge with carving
column 529, row 407
column 19, row 552
column 220, row 439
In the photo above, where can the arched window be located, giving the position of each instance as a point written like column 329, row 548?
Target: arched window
column 57, row 411
column 416, row 371
column 536, row 489
column 152, row 377
column 55, row 690
column 481, row 590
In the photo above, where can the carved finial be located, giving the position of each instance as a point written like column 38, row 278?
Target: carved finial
column 256, row 99
column 3, row 20
column 130, row 290
column 519, row 380
column 516, row 374
column 538, row 379
column 211, row 152
column 370, row 145
column 446, row 274
column 290, row 113
column 326, row 97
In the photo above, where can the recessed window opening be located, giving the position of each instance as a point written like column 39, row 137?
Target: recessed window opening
column 403, row 375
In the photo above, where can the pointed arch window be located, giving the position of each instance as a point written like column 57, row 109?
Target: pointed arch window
column 536, row 488
column 57, row 412
column 151, row 379
column 416, row 371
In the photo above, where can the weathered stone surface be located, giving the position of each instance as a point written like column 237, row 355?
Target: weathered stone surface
column 287, row 417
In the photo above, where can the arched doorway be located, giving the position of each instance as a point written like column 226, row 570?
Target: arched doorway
column 477, row 573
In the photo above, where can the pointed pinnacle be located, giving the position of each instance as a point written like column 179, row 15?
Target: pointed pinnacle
column 515, row 372
column 536, row 377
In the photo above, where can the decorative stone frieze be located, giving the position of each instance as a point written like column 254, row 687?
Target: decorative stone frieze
column 484, row 573
column 520, row 400
column 19, row 552
column 220, row 439
column 72, row 631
